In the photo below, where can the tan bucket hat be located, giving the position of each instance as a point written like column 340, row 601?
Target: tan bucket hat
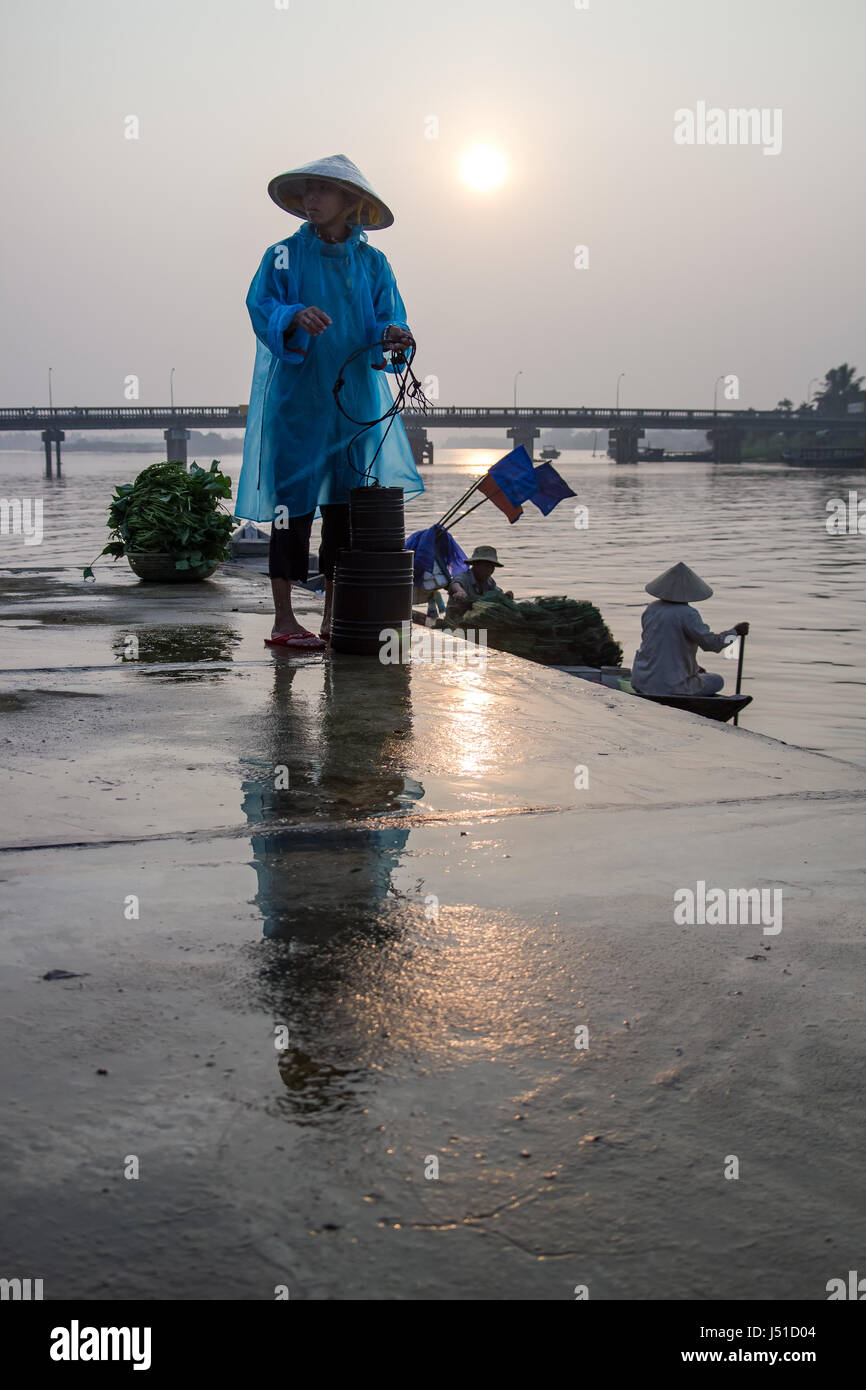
column 679, row 584
column 287, row 190
column 485, row 553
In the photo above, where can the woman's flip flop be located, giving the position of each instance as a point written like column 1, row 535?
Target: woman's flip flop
column 301, row 641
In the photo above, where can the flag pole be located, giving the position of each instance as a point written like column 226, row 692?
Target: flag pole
column 459, row 503
column 466, row 513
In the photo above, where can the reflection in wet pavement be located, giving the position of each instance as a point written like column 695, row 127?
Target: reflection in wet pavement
column 176, row 644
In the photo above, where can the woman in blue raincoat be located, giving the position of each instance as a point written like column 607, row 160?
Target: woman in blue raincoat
column 316, row 297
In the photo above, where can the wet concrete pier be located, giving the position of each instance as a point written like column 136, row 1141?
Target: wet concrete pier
column 332, row 933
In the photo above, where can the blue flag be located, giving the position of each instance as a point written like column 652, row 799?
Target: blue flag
column 515, row 476
column 550, row 488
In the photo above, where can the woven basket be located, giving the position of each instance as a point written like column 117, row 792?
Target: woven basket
column 160, row 569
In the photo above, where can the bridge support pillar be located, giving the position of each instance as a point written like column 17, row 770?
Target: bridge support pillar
column 52, row 436
column 726, row 445
column 421, row 446
column 523, row 434
column 622, row 443
column 175, row 444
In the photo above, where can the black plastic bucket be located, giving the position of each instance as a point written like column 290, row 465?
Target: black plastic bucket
column 372, row 592
column 376, row 518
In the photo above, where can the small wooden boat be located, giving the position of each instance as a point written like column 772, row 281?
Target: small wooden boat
column 549, row 454
column 719, row 707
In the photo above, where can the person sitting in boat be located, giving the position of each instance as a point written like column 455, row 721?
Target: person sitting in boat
column 471, row 583
column 671, row 632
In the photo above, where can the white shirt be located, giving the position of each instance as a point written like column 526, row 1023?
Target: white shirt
column 671, row 633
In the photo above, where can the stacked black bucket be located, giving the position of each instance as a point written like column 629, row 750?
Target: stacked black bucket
column 373, row 579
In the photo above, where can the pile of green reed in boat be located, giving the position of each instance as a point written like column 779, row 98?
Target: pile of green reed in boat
column 556, row 631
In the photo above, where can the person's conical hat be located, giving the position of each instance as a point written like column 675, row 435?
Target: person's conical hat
column 679, row 584
column 287, row 190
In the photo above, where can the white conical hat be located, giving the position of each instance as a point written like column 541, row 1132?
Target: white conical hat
column 679, row 584
column 287, row 190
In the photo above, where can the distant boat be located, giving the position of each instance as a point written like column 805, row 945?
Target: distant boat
column 818, row 454
column 649, row 455
column 701, row 456
column 549, row 454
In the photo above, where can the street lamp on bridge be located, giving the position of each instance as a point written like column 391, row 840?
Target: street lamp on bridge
column 618, row 380
column 50, row 402
column 171, row 386
column 516, row 375
column 716, row 390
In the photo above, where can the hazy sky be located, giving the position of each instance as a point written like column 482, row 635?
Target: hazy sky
column 134, row 256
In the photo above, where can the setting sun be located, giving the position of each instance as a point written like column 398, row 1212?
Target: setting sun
column 482, row 167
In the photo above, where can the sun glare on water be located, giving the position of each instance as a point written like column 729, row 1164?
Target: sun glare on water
column 482, row 167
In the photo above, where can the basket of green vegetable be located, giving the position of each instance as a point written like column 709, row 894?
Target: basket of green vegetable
column 170, row 523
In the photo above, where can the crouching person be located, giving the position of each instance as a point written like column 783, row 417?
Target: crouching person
column 468, row 586
column 671, row 633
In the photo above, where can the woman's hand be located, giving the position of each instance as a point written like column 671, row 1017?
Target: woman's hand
column 398, row 337
column 312, row 320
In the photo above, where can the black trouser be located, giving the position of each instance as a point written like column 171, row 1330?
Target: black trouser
column 289, row 552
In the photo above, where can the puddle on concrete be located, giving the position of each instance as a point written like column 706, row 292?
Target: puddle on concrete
column 165, row 644
column 13, row 701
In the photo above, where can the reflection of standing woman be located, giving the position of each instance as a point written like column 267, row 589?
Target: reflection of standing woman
column 316, row 297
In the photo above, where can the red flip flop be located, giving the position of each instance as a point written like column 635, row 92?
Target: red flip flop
column 300, row 641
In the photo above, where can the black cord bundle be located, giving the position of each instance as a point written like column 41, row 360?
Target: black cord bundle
column 410, row 392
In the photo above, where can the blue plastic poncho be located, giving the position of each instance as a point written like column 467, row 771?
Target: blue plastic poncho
column 296, row 437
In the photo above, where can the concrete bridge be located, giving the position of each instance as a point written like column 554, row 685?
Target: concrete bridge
column 520, row 424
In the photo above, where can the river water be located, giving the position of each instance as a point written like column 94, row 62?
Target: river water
column 756, row 532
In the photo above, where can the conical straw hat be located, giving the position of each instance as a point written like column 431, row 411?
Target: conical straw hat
column 287, row 190
column 679, row 584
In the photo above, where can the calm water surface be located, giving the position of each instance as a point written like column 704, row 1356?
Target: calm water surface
column 755, row 532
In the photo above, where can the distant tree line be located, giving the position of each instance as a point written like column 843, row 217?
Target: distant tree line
column 842, row 387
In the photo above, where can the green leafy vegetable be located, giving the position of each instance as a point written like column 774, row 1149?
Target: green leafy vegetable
column 170, row 510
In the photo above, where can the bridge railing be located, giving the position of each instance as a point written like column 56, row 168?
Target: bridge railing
column 194, row 412
column 549, row 416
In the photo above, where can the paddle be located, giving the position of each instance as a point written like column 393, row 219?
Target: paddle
column 740, row 675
